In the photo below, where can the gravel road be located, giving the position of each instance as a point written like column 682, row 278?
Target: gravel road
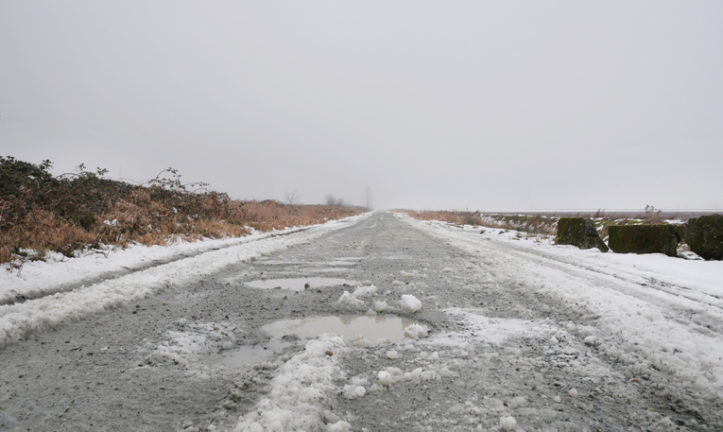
column 500, row 353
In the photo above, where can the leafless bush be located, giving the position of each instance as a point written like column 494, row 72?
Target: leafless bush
column 40, row 212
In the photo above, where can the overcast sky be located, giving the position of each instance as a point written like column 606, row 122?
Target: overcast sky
column 506, row 105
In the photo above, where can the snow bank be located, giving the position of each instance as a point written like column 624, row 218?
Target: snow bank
column 40, row 277
column 19, row 319
column 666, row 310
column 299, row 392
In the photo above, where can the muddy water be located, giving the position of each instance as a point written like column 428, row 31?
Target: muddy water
column 353, row 328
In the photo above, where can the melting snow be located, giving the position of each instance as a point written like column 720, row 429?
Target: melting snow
column 410, row 304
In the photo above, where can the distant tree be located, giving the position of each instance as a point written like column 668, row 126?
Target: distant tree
column 331, row 200
column 291, row 198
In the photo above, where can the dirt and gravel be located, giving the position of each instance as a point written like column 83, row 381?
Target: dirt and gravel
column 500, row 353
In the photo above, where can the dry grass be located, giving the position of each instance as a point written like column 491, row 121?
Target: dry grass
column 527, row 223
column 455, row 217
column 546, row 223
column 40, row 213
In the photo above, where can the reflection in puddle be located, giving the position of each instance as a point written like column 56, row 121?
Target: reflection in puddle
column 299, row 284
column 353, row 328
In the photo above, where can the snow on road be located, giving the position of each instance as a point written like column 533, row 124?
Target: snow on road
column 495, row 333
column 208, row 257
column 670, row 309
column 56, row 271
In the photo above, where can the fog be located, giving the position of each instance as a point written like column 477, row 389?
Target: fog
column 505, row 105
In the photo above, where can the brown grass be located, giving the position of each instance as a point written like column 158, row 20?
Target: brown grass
column 527, row 223
column 455, row 217
column 139, row 220
column 40, row 213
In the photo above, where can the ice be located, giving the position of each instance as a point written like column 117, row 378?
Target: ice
column 352, row 391
column 410, row 304
column 392, row 355
column 354, row 299
column 299, row 392
column 365, row 291
column 340, row 426
column 381, row 306
column 416, row 331
column 385, row 378
column 508, row 423
column 590, row 340
column 349, row 299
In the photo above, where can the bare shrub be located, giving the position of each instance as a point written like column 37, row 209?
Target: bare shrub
column 81, row 209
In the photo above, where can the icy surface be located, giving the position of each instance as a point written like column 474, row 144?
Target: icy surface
column 671, row 308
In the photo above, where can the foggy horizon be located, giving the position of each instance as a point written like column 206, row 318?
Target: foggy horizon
column 473, row 105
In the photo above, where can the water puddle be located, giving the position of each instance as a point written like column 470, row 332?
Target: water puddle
column 355, row 329
column 343, row 261
column 299, row 284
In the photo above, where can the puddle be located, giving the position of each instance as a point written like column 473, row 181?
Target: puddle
column 343, row 262
column 353, row 328
column 299, row 284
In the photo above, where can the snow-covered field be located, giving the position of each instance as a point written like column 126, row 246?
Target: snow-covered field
column 671, row 308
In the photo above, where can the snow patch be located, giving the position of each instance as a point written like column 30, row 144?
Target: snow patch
column 416, row 331
column 508, row 423
column 299, row 392
column 355, row 299
column 352, row 391
column 381, row 306
column 410, row 304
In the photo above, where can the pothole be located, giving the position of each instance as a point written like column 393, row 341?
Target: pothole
column 299, row 284
column 355, row 329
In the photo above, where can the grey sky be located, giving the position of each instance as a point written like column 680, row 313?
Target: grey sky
column 434, row 104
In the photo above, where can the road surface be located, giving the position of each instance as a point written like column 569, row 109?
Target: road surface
column 493, row 347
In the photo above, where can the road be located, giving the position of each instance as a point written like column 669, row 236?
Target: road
column 503, row 350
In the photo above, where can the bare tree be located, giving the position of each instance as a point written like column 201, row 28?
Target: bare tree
column 292, row 198
column 331, row 200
